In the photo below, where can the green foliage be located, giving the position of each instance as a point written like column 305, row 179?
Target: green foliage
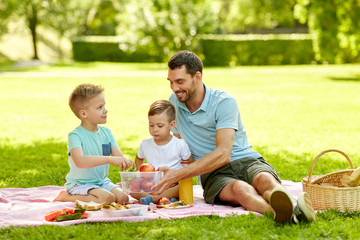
column 335, row 25
column 7, row 7
column 103, row 19
column 251, row 15
column 168, row 26
column 225, row 50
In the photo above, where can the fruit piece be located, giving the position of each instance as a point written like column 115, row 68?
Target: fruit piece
column 146, row 185
column 85, row 215
column 51, row 215
column 135, row 185
column 62, row 213
column 67, row 217
column 89, row 206
column 147, row 168
column 163, row 201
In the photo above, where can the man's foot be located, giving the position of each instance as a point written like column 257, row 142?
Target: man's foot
column 281, row 202
column 304, row 210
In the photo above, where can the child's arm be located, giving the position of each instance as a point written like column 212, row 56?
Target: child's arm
column 82, row 161
column 116, row 152
column 138, row 162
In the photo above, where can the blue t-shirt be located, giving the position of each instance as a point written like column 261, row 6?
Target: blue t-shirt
column 218, row 110
column 97, row 143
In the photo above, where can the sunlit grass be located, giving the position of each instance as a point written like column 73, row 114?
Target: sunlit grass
column 291, row 113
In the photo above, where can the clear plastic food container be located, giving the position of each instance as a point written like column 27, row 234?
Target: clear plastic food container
column 139, row 182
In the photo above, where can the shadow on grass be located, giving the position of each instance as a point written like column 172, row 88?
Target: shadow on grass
column 355, row 78
column 40, row 163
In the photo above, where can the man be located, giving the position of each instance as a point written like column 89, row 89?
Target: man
column 231, row 172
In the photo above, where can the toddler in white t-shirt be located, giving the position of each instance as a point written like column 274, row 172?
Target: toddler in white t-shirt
column 162, row 149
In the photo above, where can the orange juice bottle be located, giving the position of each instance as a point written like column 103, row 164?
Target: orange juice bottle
column 186, row 188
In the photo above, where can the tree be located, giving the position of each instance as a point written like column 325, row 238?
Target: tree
column 335, row 25
column 6, row 10
column 69, row 17
column 253, row 15
column 167, row 25
column 64, row 16
column 31, row 10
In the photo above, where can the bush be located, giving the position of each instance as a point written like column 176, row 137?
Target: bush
column 112, row 49
column 217, row 50
column 265, row 49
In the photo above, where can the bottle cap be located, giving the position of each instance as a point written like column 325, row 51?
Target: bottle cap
column 184, row 162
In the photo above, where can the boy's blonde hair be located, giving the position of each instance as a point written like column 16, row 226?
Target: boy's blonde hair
column 79, row 98
column 161, row 106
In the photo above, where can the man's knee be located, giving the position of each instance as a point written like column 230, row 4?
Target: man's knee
column 239, row 190
column 264, row 178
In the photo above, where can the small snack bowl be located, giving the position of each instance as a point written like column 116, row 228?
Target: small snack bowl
column 129, row 211
column 139, row 182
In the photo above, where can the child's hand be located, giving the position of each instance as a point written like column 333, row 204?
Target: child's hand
column 122, row 162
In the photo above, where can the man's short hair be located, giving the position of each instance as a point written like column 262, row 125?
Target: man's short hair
column 191, row 61
column 79, row 98
column 161, row 106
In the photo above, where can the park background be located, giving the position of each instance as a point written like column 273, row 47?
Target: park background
column 222, row 32
column 293, row 105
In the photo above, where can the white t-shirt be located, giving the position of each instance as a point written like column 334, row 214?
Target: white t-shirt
column 169, row 155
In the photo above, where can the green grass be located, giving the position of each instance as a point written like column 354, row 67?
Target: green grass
column 291, row 113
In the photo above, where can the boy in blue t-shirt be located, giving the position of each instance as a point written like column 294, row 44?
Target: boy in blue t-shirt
column 91, row 148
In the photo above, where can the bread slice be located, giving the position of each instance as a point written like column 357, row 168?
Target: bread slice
column 88, row 206
column 355, row 178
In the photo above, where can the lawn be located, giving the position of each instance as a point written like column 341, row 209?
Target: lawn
column 291, row 113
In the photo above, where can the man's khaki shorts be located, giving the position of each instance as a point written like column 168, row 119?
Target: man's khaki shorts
column 243, row 169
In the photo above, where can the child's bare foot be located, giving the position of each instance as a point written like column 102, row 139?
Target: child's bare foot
column 62, row 196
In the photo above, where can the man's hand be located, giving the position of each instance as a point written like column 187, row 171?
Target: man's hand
column 166, row 181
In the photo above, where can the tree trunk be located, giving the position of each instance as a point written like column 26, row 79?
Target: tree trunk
column 33, row 21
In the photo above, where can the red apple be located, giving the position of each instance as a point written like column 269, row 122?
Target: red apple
column 146, row 185
column 163, row 201
column 135, row 185
column 147, row 168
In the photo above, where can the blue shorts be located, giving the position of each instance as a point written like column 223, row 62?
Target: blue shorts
column 83, row 189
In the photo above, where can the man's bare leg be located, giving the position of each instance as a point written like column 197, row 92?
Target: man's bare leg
column 241, row 193
column 264, row 183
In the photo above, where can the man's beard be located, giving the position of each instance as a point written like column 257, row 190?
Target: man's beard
column 189, row 93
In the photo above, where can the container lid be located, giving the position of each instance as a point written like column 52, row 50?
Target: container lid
column 184, row 162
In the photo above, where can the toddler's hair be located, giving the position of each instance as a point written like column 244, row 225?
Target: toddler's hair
column 161, row 106
column 79, row 98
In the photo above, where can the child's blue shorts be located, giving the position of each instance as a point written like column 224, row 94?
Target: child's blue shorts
column 83, row 189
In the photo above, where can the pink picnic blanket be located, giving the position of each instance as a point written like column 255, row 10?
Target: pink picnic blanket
column 28, row 206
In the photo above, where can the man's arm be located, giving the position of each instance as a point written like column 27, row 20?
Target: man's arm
column 214, row 160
